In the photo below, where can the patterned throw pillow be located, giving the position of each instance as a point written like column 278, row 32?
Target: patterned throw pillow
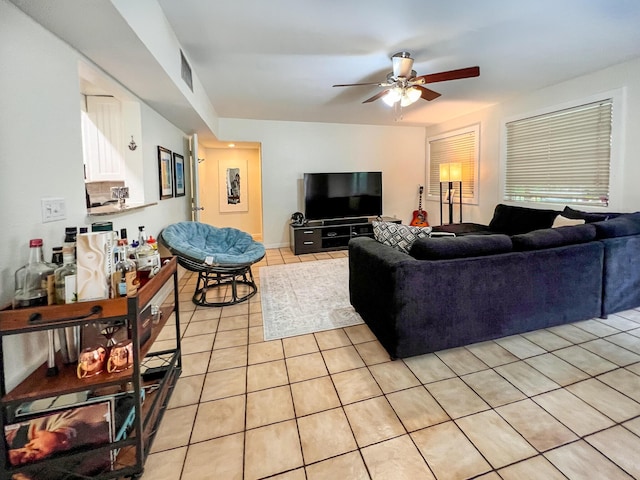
column 397, row 235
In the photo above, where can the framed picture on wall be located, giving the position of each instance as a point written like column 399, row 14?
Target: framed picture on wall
column 178, row 175
column 234, row 195
column 165, row 171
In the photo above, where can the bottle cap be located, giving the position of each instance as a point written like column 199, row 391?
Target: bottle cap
column 123, row 233
column 35, row 242
column 151, row 239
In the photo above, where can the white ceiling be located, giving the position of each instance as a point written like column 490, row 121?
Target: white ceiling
column 278, row 59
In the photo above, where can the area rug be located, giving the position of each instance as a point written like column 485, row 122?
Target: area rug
column 306, row 297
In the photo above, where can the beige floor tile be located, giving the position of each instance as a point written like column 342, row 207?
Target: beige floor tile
column 300, row 345
column 187, row 391
column 314, row 395
column 572, row 333
column 233, row 310
column 580, row 460
column 526, row 378
column 372, row 353
column 624, row 381
column 596, row 327
column 605, row 399
column 265, row 352
column 219, row 418
column 165, row 465
column 175, row 428
column 332, row 339
column 492, row 388
column 195, row 364
column 573, row 412
column 360, row 334
column 348, row 466
column 396, row 459
column 266, row 375
column 429, row 368
column 489, row 476
column 225, row 358
column 536, row 425
column 620, row 322
column 199, row 343
column 496, row 439
column 630, row 342
column 204, row 313
column 547, row 340
column 355, row 385
column 224, row 383
column 556, row 369
column 520, row 346
column 633, row 425
column 272, row 449
column 456, row 397
column 585, row 360
column 491, row 353
column 305, row 367
column 393, row 376
column 341, row 359
column 442, row 443
column 620, row 446
column 461, row 360
column 635, row 368
column 256, row 334
column 633, row 314
column 532, row 468
column 201, row 328
column 218, row 458
column 297, row 474
column 233, row 323
column 255, row 318
column 269, row 406
column 416, row 408
column 373, row 420
column 613, row 353
column 231, row 338
column 324, row 435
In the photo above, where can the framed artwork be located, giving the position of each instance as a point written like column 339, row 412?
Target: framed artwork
column 234, row 194
column 165, row 171
column 178, row 175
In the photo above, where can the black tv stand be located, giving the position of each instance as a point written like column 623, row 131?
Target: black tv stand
column 330, row 234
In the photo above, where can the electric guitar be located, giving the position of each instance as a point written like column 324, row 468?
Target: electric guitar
column 419, row 216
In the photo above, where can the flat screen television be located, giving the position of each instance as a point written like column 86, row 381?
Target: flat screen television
column 342, row 195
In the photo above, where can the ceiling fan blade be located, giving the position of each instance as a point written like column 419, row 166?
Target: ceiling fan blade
column 376, row 96
column 427, row 94
column 355, row 84
column 450, row 75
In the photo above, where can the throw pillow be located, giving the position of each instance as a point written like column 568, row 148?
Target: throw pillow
column 513, row 220
column 397, row 235
column 588, row 217
column 562, row 221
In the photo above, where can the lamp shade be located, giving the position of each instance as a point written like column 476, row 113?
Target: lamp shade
column 451, row 172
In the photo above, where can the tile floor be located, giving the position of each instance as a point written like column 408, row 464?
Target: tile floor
column 550, row 404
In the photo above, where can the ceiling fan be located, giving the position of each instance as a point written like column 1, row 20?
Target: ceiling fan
column 404, row 86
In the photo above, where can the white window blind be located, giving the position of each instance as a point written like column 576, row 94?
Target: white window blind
column 560, row 157
column 456, row 147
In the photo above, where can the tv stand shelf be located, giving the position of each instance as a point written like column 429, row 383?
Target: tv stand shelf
column 331, row 234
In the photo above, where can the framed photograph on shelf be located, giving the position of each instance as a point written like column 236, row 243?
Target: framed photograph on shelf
column 165, row 170
column 233, row 185
column 178, row 175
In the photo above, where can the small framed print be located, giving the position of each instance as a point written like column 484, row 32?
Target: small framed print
column 178, row 175
column 233, row 185
column 165, row 171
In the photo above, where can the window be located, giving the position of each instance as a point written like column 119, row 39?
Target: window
column 457, row 146
column 561, row 157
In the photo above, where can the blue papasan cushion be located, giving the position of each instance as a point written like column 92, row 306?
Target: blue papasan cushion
column 226, row 246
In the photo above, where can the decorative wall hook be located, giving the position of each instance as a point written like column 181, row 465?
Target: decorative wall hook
column 132, row 144
column 200, row 160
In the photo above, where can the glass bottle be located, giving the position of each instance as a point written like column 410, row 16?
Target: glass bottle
column 31, row 279
column 147, row 258
column 56, row 256
column 125, row 272
column 66, row 276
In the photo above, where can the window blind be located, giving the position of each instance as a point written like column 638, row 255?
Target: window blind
column 560, row 157
column 456, row 148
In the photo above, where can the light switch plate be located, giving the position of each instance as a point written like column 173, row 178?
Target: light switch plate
column 53, row 209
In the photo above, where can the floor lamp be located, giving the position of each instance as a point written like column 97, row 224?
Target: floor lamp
column 450, row 173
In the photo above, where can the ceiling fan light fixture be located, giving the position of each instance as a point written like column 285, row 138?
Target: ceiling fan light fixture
column 409, row 96
column 392, row 96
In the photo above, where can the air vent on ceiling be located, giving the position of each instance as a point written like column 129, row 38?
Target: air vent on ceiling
column 185, row 71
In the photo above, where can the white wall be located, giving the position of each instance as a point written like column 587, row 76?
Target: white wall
column 624, row 77
column 289, row 149
column 41, row 156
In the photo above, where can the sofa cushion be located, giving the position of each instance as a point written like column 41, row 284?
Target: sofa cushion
column 621, row 226
column 397, row 235
column 513, row 220
column 444, row 248
column 553, row 237
column 588, row 217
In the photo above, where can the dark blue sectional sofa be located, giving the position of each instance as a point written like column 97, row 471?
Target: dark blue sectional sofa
column 482, row 285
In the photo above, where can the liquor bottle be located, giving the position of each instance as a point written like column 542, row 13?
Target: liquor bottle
column 147, row 258
column 66, row 276
column 56, row 256
column 125, row 275
column 31, row 279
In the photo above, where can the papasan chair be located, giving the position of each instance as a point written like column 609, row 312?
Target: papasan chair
column 221, row 256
